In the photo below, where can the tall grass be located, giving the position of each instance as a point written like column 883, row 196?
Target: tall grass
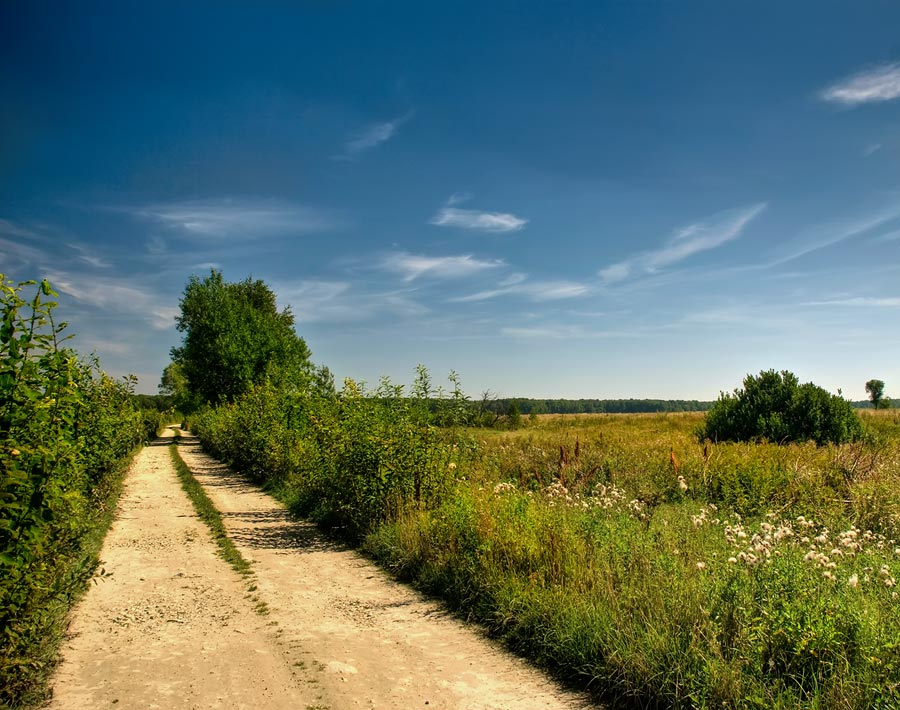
column 655, row 570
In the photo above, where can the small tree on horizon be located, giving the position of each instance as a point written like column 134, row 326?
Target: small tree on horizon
column 875, row 388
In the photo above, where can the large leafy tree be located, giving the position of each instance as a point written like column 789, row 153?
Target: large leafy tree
column 875, row 388
column 775, row 407
column 235, row 336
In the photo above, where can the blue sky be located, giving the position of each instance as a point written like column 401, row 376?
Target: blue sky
column 573, row 199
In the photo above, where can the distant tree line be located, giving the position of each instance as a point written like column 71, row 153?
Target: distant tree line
column 527, row 406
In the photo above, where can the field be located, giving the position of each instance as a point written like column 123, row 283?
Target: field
column 616, row 549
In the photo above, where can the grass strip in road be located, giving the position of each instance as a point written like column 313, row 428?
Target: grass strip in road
column 208, row 513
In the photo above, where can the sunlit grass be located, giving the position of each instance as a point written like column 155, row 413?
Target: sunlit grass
column 620, row 550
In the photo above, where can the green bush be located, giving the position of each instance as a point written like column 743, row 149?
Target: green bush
column 775, row 407
column 65, row 428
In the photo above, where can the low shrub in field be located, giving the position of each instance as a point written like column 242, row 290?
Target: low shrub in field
column 775, row 407
column 65, row 428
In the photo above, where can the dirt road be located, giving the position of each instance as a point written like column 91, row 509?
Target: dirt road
column 175, row 627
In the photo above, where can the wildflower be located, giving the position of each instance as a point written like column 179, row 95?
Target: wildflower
column 682, row 484
column 853, row 581
column 14, row 452
column 701, row 566
column 827, row 575
column 732, row 560
column 452, row 465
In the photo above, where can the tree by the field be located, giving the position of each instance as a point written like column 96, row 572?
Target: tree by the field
column 775, row 407
column 235, row 336
column 174, row 385
column 875, row 388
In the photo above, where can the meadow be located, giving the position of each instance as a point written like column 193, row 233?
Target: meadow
column 620, row 551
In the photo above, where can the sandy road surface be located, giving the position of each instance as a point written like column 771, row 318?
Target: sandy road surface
column 171, row 628
column 339, row 633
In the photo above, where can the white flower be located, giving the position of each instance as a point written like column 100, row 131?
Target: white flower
column 853, row 581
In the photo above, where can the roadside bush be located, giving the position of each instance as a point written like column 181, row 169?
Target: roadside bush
column 350, row 461
column 775, row 407
column 65, row 428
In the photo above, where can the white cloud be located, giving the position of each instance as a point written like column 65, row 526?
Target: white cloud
column 457, row 198
column 829, row 235
column 480, row 221
column 864, row 301
column 15, row 255
column 372, row 136
column 88, row 257
column 537, row 291
column 114, row 295
column 871, row 148
column 563, row 332
column 881, row 83
column 695, row 238
column 412, row 266
column 338, row 302
column 235, row 218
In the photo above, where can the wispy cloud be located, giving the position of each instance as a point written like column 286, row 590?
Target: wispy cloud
column 371, row 137
column 237, row 218
column 413, row 266
column 496, row 222
column 115, row 295
column 871, row 148
column 330, row 302
column 864, row 301
column 538, row 291
column 880, row 83
column 829, row 235
column 86, row 256
column 563, row 332
column 690, row 240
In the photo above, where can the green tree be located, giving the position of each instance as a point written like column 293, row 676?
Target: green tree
column 174, row 384
column 775, row 407
column 235, row 336
column 875, row 388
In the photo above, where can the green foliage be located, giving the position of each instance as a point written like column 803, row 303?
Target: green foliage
column 351, row 460
column 875, row 388
column 65, row 428
column 775, row 407
column 654, row 570
column 235, row 337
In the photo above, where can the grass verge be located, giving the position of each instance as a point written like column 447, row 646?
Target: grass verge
column 208, row 513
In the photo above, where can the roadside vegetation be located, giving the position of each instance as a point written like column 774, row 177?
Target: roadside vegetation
column 642, row 556
column 66, row 432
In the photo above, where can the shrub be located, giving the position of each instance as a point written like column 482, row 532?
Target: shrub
column 775, row 407
column 65, row 428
